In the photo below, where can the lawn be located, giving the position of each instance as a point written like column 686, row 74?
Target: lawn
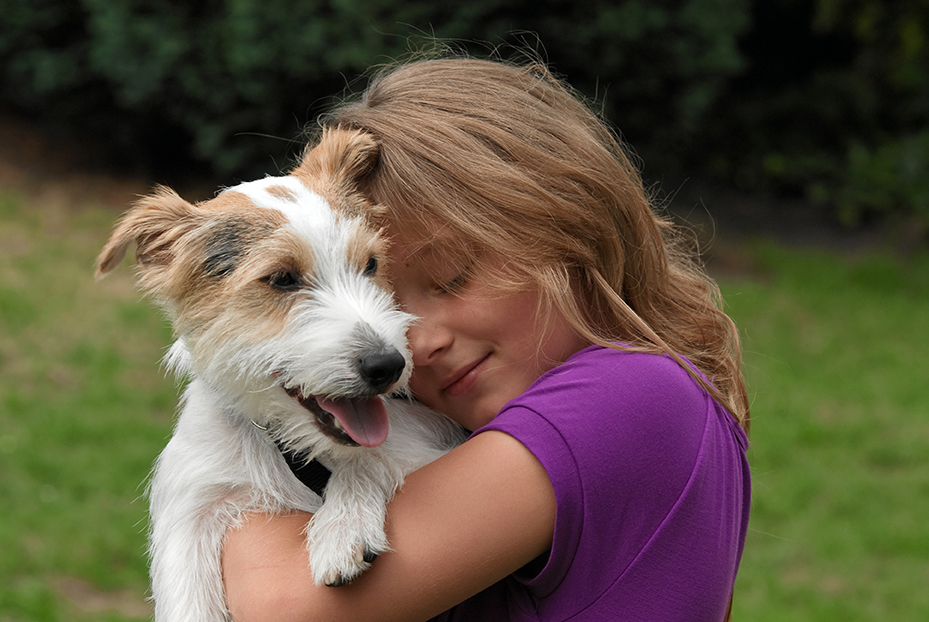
column 84, row 409
column 834, row 355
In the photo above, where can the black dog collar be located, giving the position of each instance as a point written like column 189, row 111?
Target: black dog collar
column 313, row 474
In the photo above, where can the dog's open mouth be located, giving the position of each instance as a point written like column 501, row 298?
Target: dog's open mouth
column 350, row 421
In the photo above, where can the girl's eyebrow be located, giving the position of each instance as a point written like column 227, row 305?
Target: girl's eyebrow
column 443, row 246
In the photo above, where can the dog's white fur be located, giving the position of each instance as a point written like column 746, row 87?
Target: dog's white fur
column 272, row 285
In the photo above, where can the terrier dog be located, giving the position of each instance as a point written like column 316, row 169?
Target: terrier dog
column 286, row 327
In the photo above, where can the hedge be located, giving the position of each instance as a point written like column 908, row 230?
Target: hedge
column 207, row 72
column 823, row 98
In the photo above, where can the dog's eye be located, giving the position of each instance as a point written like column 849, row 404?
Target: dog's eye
column 371, row 266
column 285, row 280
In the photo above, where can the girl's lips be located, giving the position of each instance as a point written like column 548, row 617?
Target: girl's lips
column 465, row 379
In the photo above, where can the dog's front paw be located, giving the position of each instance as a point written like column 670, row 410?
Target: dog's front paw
column 340, row 553
column 340, row 572
column 336, row 564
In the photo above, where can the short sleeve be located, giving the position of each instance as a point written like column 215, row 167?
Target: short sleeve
column 622, row 437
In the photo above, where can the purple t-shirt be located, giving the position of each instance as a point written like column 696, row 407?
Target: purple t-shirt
column 652, row 488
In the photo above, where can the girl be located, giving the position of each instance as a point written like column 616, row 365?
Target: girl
column 564, row 323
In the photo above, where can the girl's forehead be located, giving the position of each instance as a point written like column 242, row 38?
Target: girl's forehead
column 440, row 249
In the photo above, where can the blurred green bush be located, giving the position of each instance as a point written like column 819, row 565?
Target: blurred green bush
column 823, row 98
column 163, row 74
column 833, row 105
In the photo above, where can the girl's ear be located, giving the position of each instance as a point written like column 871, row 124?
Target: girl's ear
column 157, row 224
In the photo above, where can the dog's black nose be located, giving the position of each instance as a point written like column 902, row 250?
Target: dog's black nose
column 381, row 368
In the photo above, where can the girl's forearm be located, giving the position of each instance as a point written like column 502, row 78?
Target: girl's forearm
column 458, row 526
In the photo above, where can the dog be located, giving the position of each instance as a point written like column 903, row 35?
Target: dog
column 286, row 327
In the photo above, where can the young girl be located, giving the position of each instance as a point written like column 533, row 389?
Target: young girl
column 562, row 321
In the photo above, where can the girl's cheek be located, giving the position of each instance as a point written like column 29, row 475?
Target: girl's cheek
column 420, row 389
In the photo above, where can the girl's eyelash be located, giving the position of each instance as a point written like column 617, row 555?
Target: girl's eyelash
column 458, row 282
column 450, row 287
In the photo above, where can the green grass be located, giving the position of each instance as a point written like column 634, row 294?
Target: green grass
column 835, row 356
column 835, row 353
column 84, row 410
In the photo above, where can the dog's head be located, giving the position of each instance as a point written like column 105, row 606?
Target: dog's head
column 276, row 288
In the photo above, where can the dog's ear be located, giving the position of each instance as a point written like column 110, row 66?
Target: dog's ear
column 156, row 223
column 335, row 165
column 339, row 154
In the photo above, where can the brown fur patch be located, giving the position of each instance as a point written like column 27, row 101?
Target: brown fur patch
column 245, row 302
column 201, row 260
column 282, row 192
column 363, row 244
column 233, row 202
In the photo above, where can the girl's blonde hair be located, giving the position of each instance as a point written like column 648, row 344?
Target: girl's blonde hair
column 501, row 158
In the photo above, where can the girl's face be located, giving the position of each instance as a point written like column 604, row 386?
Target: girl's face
column 474, row 349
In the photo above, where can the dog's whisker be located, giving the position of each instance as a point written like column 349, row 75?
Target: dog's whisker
column 267, row 388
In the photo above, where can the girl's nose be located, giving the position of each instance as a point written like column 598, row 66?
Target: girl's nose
column 428, row 340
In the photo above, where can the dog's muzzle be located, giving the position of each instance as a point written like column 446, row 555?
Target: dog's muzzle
column 361, row 419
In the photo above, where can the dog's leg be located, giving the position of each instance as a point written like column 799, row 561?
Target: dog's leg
column 185, row 541
column 347, row 533
column 186, row 573
column 216, row 467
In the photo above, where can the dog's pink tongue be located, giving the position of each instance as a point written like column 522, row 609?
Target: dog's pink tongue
column 364, row 419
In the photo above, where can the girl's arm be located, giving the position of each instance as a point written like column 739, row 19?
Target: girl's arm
column 458, row 525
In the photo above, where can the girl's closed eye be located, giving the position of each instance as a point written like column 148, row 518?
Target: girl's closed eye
column 454, row 285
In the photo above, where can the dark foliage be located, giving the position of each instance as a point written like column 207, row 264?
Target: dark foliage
column 165, row 79
column 827, row 98
column 833, row 105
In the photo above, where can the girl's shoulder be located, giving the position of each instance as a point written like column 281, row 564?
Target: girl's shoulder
column 609, row 381
column 607, row 414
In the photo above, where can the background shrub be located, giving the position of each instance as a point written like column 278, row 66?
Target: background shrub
column 833, row 105
column 164, row 78
column 824, row 99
